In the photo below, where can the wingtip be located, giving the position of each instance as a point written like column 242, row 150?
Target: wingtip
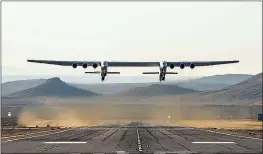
column 30, row 60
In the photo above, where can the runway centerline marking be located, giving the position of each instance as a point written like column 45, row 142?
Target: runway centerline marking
column 139, row 141
column 65, row 142
column 213, row 142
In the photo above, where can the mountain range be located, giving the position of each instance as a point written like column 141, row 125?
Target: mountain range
column 215, row 82
column 248, row 92
column 157, row 90
column 13, row 86
column 246, row 88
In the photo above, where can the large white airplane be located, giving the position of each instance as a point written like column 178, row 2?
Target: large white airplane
column 105, row 64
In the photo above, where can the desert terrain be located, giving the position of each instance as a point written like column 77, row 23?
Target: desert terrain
column 157, row 114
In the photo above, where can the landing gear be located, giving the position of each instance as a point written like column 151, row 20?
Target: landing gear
column 103, row 73
column 161, row 78
column 162, row 75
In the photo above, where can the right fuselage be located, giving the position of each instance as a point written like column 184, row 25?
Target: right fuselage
column 163, row 68
column 162, row 74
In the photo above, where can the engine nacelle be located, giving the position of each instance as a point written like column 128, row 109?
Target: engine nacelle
column 192, row 66
column 74, row 65
column 85, row 65
column 172, row 66
column 94, row 65
column 182, row 65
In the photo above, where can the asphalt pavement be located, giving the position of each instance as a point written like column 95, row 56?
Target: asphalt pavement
column 132, row 137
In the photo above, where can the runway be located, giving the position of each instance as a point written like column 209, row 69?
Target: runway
column 133, row 137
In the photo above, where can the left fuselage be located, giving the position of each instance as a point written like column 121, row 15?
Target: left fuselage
column 104, row 70
column 163, row 68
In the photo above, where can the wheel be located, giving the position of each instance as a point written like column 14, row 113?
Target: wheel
column 102, row 78
column 163, row 78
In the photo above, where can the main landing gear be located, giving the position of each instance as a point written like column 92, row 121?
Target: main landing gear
column 161, row 78
column 102, row 78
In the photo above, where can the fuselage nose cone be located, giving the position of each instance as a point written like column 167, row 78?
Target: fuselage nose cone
column 164, row 63
column 105, row 63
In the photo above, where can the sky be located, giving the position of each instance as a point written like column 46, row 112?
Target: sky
column 131, row 31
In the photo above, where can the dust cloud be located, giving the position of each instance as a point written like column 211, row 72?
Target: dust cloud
column 54, row 117
column 219, row 124
column 76, row 115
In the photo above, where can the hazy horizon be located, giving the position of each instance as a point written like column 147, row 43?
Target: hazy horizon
column 110, row 79
column 132, row 31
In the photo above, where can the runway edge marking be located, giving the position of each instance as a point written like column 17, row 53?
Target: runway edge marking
column 247, row 137
column 59, row 142
column 213, row 142
column 49, row 133
column 38, row 135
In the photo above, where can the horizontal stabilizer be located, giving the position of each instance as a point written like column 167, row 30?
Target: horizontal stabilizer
column 171, row 73
column 95, row 72
column 113, row 73
column 150, row 73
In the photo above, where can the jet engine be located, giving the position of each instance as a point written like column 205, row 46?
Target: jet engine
column 94, row 65
column 74, row 65
column 85, row 65
column 182, row 65
column 172, row 66
column 192, row 66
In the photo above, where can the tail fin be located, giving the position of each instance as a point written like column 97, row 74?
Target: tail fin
column 113, row 72
column 150, row 73
column 158, row 73
column 171, row 73
column 98, row 72
column 95, row 72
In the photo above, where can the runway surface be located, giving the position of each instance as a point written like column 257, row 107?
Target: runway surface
column 133, row 137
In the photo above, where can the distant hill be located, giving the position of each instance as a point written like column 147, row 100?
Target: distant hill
column 229, row 79
column 248, row 90
column 201, row 86
column 109, row 88
column 13, row 86
column 215, row 82
column 52, row 87
column 157, row 90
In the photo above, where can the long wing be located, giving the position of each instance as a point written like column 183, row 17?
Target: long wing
column 89, row 63
column 133, row 64
column 63, row 63
column 202, row 63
